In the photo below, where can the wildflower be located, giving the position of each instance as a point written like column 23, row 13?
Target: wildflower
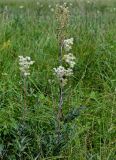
column 62, row 15
column 25, row 63
column 60, row 71
column 68, row 44
column 70, row 59
column 62, row 74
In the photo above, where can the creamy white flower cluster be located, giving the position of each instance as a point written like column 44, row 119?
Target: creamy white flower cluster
column 25, row 63
column 61, row 72
column 70, row 59
column 68, row 44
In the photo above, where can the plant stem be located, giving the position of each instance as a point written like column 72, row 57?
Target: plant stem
column 60, row 87
column 60, row 53
column 25, row 94
column 60, row 114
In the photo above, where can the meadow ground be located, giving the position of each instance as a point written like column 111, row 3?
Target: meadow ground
column 31, row 31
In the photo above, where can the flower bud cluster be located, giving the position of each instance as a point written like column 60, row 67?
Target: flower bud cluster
column 25, row 63
column 62, row 15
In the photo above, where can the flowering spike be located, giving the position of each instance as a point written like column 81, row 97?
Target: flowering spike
column 25, row 63
column 68, row 44
column 70, row 59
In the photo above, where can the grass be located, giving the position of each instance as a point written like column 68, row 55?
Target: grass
column 32, row 31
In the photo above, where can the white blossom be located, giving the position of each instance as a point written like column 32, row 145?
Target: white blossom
column 25, row 63
column 62, row 74
column 70, row 59
column 68, row 44
column 60, row 71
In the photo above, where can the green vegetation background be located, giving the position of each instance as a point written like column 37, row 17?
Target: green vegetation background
column 31, row 30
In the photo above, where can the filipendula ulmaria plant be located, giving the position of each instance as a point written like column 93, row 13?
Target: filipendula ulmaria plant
column 25, row 63
column 67, row 60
